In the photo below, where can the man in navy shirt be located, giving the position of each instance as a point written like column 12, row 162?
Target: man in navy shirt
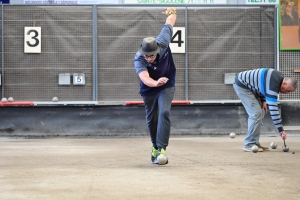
column 156, row 69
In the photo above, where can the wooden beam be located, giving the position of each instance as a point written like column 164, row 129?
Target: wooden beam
column 296, row 70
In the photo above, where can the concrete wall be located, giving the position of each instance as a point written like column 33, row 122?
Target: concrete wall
column 125, row 121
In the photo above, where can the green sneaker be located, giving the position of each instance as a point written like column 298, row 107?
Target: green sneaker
column 154, row 155
column 162, row 158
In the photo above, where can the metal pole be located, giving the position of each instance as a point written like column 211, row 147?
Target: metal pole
column 276, row 38
column 2, row 49
column 186, row 57
column 95, row 55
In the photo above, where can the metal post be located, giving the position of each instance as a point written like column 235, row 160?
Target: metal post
column 95, row 54
column 186, row 57
column 276, row 38
column 2, row 50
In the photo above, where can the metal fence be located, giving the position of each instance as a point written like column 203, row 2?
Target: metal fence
column 288, row 62
column 101, row 41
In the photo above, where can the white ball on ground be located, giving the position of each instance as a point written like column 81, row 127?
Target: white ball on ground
column 254, row 149
column 4, row 100
column 232, row 135
column 162, row 159
column 10, row 99
column 273, row 145
column 55, row 99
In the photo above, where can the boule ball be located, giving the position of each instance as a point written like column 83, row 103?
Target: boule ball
column 55, row 99
column 4, row 100
column 232, row 135
column 10, row 99
column 273, row 145
column 285, row 148
column 162, row 159
column 254, row 149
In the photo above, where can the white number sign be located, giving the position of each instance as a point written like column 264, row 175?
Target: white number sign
column 177, row 44
column 32, row 39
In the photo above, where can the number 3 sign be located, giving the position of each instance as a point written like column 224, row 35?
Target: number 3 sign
column 32, row 39
column 177, row 44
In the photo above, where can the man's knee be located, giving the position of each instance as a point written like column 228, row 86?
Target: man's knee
column 164, row 113
column 257, row 115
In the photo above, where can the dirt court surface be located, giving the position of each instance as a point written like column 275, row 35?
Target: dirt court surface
column 120, row 168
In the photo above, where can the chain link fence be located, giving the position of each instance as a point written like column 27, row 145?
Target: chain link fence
column 101, row 41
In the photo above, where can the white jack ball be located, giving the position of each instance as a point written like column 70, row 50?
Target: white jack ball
column 232, row 135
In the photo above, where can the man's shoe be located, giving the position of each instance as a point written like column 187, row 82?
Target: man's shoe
column 264, row 148
column 260, row 149
column 154, row 155
column 249, row 149
column 162, row 157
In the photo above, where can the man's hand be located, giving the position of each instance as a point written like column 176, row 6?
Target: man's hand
column 161, row 81
column 169, row 11
column 264, row 107
column 171, row 16
column 283, row 135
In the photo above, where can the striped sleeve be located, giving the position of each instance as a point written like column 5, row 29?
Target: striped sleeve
column 275, row 115
column 265, row 84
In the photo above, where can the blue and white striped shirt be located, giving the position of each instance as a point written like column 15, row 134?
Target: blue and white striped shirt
column 264, row 83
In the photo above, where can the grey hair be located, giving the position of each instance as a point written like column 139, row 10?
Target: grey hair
column 292, row 82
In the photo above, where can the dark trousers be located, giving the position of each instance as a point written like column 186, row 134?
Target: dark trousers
column 158, row 112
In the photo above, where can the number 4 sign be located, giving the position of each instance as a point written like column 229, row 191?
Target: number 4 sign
column 177, row 44
column 32, row 39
